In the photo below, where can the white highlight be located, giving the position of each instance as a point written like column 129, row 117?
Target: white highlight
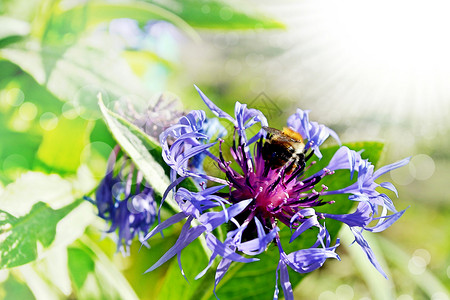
column 422, row 167
column 383, row 61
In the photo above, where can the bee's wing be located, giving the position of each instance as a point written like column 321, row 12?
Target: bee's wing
column 280, row 135
column 272, row 131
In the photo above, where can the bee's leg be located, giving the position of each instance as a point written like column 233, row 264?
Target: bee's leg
column 266, row 169
column 286, row 169
column 309, row 155
column 299, row 164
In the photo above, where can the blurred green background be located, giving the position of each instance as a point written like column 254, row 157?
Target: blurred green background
column 369, row 70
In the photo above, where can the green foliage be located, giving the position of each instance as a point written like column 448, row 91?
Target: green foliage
column 219, row 15
column 12, row 30
column 20, row 235
column 193, row 260
column 136, row 149
column 92, row 13
column 38, row 212
column 94, row 274
column 14, row 289
column 80, row 265
column 74, row 73
column 53, row 144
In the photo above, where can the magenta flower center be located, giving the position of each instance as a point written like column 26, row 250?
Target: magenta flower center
column 276, row 195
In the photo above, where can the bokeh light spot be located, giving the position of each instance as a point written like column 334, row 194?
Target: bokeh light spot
column 423, row 254
column 417, row 265
column 402, row 176
column 14, row 165
column 118, row 191
column 19, row 124
column 327, row 295
column 48, row 121
column 253, row 59
column 439, row 296
column 85, row 102
column 422, row 167
column 135, row 204
column 344, row 292
column 226, row 13
column 233, row 67
column 205, row 9
column 14, row 97
column 28, row 111
column 69, row 111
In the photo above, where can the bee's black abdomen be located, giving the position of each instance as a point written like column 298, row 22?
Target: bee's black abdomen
column 276, row 155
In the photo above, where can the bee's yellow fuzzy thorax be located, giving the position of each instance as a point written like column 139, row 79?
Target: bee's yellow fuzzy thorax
column 292, row 134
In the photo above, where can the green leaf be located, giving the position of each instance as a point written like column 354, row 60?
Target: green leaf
column 12, row 30
column 77, row 73
column 27, row 220
column 154, row 149
column 20, row 235
column 92, row 13
column 32, row 187
column 136, row 149
column 81, row 263
column 193, row 260
column 14, row 288
column 219, row 15
column 95, row 275
column 57, row 153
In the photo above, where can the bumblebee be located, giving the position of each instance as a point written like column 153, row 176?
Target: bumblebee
column 283, row 149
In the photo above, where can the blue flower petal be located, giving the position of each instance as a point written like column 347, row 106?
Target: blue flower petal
column 361, row 217
column 389, row 186
column 259, row 244
column 388, row 221
column 214, row 108
column 222, row 269
column 285, row 283
column 308, row 223
column 212, row 220
column 170, row 221
column 187, row 236
column 307, row 260
column 221, row 249
column 391, row 167
column 366, row 248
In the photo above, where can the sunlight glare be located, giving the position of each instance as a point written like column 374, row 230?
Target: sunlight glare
column 385, row 62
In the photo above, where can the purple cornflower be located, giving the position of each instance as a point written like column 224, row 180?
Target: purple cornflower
column 124, row 202
column 255, row 198
column 123, row 198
